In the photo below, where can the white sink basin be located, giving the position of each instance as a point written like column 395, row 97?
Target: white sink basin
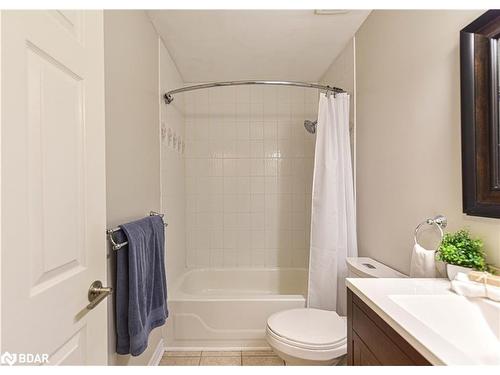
column 470, row 325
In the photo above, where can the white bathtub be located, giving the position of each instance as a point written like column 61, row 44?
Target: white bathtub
column 228, row 308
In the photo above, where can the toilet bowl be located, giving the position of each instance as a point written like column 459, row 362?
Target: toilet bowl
column 309, row 336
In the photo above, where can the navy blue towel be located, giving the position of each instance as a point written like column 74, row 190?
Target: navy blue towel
column 141, row 288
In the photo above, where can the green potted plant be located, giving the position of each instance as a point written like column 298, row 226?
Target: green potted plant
column 461, row 253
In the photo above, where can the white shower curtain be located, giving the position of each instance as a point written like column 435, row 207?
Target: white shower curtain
column 333, row 217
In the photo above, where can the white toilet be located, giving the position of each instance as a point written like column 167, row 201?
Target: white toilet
column 308, row 336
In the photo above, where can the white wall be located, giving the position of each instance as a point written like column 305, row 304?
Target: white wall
column 173, row 168
column 249, row 176
column 408, row 132
column 341, row 73
column 132, row 135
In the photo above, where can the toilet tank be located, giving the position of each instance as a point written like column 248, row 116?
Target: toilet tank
column 368, row 267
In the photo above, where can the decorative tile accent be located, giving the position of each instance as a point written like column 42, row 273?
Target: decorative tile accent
column 173, row 192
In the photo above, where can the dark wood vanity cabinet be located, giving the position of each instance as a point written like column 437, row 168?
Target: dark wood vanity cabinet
column 372, row 342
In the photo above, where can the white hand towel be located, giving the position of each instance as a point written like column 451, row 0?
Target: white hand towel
column 468, row 288
column 423, row 262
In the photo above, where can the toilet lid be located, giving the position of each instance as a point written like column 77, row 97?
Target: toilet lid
column 309, row 326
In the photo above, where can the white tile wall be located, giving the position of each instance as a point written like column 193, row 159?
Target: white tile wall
column 249, row 165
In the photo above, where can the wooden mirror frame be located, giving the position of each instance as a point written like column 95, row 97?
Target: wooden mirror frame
column 479, row 112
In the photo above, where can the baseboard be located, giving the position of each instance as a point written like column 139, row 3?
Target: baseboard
column 158, row 354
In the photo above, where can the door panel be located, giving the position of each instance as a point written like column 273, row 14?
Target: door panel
column 53, row 184
column 55, row 128
column 72, row 352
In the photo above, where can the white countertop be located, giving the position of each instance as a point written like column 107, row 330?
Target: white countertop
column 442, row 326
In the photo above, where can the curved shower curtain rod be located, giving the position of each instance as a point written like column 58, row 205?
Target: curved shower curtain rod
column 168, row 96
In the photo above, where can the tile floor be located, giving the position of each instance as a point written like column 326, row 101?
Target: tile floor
column 224, row 358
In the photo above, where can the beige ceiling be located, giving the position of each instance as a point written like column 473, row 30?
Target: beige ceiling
column 218, row 45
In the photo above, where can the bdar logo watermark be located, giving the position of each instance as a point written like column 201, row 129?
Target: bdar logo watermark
column 23, row 358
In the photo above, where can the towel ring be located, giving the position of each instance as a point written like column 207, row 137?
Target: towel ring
column 439, row 221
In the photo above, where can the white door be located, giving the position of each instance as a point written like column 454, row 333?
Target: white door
column 53, row 184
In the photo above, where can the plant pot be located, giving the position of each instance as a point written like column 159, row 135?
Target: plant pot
column 452, row 270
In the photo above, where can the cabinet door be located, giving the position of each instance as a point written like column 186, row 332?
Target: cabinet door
column 371, row 341
column 362, row 356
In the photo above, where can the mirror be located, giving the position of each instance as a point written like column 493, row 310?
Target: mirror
column 496, row 143
column 480, row 86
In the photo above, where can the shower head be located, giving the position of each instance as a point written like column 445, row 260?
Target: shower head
column 310, row 126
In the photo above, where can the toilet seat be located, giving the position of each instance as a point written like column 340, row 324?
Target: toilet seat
column 304, row 346
column 308, row 334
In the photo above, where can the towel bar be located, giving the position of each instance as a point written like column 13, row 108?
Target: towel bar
column 118, row 246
